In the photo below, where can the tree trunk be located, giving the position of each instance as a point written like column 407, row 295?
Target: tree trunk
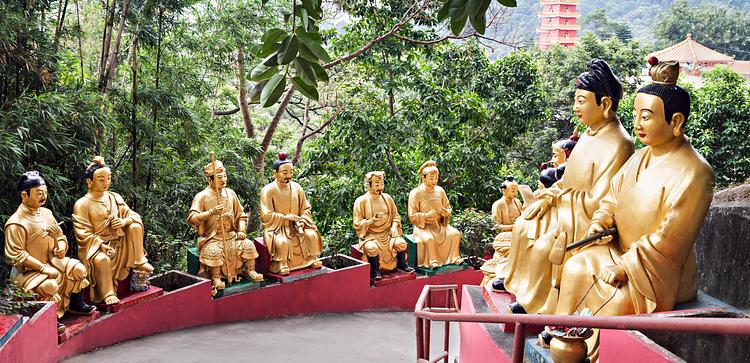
column 133, row 119
column 260, row 159
column 112, row 63
column 106, row 42
column 155, row 109
column 301, row 141
column 60, row 21
column 242, row 98
column 80, row 55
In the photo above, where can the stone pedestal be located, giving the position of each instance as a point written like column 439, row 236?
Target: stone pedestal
column 74, row 324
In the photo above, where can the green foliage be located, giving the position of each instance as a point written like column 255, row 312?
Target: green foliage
column 13, row 300
column 477, row 231
column 598, row 23
column 719, row 123
column 723, row 28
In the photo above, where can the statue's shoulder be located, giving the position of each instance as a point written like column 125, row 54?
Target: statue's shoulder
column 360, row 199
column 439, row 189
column 46, row 213
column 267, row 187
column 202, row 194
column 118, row 198
column 387, row 197
column 15, row 218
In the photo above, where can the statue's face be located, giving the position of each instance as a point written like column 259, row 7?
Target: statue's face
column 510, row 190
column 284, row 174
column 36, row 198
column 101, row 180
column 586, row 109
column 376, row 185
column 558, row 155
column 649, row 121
column 431, row 179
column 221, row 178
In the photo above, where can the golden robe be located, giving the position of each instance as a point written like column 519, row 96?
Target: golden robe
column 437, row 242
column 376, row 239
column 530, row 275
column 24, row 238
column 658, row 207
column 92, row 224
column 504, row 214
column 217, row 249
column 285, row 244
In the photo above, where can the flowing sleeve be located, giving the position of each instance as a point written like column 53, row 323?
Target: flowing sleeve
column 88, row 242
column 125, row 211
column 602, row 175
column 240, row 217
column 358, row 218
column 416, row 217
column 654, row 262
column 15, row 245
column 268, row 216
column 394, row 213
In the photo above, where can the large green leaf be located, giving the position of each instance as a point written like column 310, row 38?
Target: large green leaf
column 459, row 16
column 508, row 3
column 270, row 60
column 304, row 70
column 273, row 90
column 309, row 37
column 303, row 16
column 306, row 53
column 262, row 71
column 256, row 91
column 474, row 6
column 320, row 72
column 288, row 50
column 318, row 50
column 313, row 8
column 267, row 49
column 273, row 35
column 443, row 12
column 305, row 89
column 479, row 23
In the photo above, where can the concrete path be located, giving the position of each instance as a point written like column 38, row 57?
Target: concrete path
column 331, row 338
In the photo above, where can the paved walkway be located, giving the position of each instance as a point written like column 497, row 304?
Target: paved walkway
column 331, row 338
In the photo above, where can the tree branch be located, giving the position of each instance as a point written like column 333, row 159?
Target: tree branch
column 260, row 159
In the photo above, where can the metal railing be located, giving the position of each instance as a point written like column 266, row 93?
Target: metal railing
column 426, row 313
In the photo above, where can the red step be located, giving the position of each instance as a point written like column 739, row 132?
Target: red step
column 498, row 303
column 74, row 324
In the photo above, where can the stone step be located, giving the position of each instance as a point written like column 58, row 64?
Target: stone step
column 75, row 324
column 498, row 303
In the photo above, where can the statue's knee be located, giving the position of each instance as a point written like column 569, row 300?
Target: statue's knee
column 78, row 272
column 48, row 288
column 135, row 228
column 400, row 245
column 101, row 260
column 371, row 249
column 575, row 266
column 311, row 235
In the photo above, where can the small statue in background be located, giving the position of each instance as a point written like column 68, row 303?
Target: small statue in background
column 505, row 211
column 109, row 234
column 35, row 246
column 378, row 226
column 430, row 212
column 292, row 238
column 220, row 220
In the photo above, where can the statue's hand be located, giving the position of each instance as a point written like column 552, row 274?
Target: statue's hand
column 59, row 251
column 293, row 218
column 241, row 236
column 595, row 228
column 431, row 216
column 49, row 271
column 395, row 232
column 54, row 231
column 217, row 210
column 537, row 209
column 109, row 251
column 614, row 275
column 117, row 223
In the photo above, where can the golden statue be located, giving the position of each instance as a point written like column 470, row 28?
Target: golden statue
column 35, row 246
column 292, row 238
column 378, row 226
column 220, row 219
column 563, row 211
column 657, row 201
column 430, row 212
column 109, row 234
column 505, row 211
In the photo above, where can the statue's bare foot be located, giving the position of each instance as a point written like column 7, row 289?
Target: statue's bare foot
column 217, row 283
column 111, row 299
column 284, row 271
column 252, row 275
column 434, row 265
column 145, row 267
column 317, row 264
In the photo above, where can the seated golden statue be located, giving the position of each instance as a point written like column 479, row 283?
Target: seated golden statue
column 292, row 238
column 657, row 201
column 563, row 212
column 220, row 219
column 378, row 227
column 109, row 234
column 35, row 246
column 505, row 211
column 430, row 212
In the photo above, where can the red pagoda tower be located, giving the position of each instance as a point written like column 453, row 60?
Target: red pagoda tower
column 559, row 23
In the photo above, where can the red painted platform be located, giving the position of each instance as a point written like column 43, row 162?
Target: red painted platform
column 295, row 275
column 394, row 277
column 8, row 325
column 132, row 298
column 625, row 346
column 480, row 342
column 340, row 291
column 498, row 303
column 74, row 324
